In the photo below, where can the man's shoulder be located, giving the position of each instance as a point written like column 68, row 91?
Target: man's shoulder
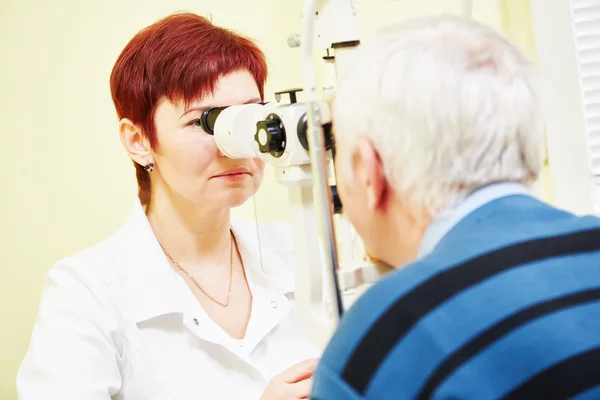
column 365, row 332
column 504, row 223
column 371, row 308
column 423, row 311
column 455, row 265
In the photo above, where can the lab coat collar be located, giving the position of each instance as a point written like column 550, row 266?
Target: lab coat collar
column 265, row 263
column 159, row 290
column 145, row 265
column 270, row 281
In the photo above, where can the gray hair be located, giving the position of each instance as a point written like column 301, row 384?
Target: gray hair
column 449, row 105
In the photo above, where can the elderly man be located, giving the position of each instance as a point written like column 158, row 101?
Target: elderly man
column 496, row 295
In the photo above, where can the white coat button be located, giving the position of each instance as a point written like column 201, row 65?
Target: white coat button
column 274, row 304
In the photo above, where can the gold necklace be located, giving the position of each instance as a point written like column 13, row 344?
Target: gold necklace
column 179, row 267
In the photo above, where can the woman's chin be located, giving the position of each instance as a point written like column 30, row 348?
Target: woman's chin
column 236, row 198
column 224, row 198
column 238, row 202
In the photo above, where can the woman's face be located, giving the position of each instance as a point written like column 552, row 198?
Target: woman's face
column 187, row 159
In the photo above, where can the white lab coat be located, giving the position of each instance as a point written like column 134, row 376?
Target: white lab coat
column 116, row 321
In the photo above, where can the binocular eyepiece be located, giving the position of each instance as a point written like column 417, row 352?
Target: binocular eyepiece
column 209, row 118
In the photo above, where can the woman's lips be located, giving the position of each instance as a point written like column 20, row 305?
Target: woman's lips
column 234, row 175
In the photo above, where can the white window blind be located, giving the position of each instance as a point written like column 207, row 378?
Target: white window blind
column 586, row 31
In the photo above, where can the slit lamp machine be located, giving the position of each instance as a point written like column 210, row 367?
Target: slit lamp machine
column 295, row 138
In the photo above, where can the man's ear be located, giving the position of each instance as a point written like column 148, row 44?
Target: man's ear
column 134, row 142
column 372, row 174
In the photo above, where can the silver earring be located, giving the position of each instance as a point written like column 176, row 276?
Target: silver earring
column 149, row 167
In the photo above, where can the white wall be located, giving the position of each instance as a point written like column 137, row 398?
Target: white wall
column 570, row 172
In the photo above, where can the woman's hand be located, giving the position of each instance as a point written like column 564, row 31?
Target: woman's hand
column 293, row 383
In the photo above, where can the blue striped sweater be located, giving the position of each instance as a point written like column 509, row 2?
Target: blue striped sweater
column 506, row 305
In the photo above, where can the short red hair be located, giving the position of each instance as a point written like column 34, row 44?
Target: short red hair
column 180, row 57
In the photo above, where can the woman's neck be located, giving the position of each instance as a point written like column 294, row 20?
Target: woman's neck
column 191, row 234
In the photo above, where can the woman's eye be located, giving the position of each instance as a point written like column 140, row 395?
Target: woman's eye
column 195, row 122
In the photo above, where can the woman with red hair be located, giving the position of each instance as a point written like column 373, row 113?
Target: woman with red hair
column 181, row 302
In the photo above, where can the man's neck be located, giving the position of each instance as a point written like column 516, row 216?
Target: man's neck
column 400, row 233
column 465, row 204
column 406, row 247
column 190, row 233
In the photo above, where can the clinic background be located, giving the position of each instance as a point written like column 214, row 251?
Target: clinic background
column 66, row 181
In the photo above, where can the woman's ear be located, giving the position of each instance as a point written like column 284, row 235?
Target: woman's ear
column 134, row 142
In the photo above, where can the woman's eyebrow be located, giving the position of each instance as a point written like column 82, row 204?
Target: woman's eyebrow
column 206, row 107
column 200, row 108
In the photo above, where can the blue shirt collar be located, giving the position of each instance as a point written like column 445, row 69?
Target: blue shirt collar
column 464, row 206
